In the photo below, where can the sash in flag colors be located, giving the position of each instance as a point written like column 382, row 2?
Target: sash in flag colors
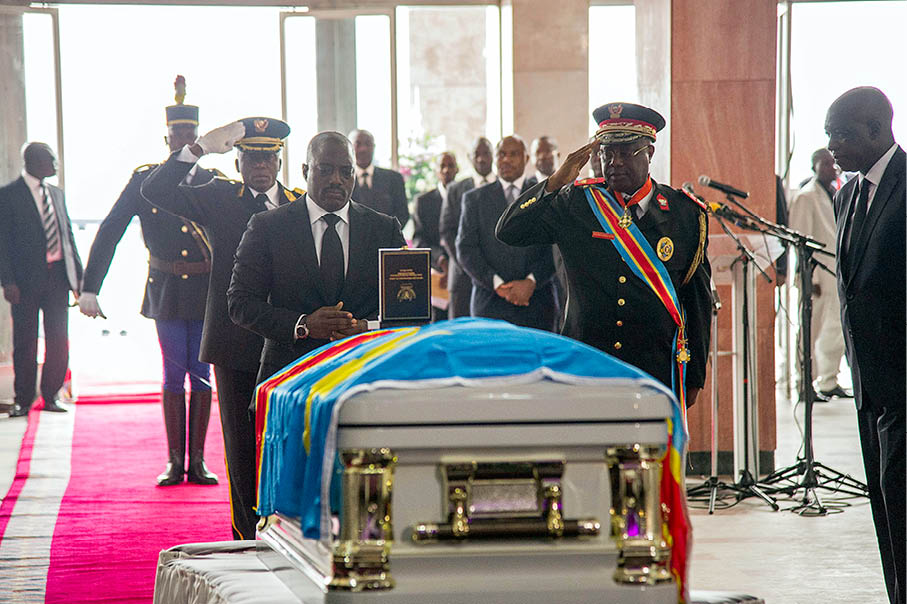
column 633, row 247
column 298, row 408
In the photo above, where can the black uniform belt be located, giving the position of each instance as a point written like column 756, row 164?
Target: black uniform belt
column 180, row 267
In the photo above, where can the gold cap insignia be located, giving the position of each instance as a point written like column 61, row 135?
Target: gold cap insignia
column 665, row 248
column 260, row 125
column 615, row 110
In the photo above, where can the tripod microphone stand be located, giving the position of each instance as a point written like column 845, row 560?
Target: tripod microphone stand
column 814, row 474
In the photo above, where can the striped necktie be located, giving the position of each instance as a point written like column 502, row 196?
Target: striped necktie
column 51, row 229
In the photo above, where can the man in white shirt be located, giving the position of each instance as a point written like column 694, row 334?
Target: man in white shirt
column 870, row 246
column 811, row 212
column 39, row 266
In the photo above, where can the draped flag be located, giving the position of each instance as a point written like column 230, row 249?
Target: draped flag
column 298, row 408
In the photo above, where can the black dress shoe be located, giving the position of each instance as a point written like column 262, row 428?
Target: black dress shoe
column 18, row 410
column 819, row 397
column 837, row 391
column 55, row 407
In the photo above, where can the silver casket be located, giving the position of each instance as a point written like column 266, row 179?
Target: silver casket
column 518, row 488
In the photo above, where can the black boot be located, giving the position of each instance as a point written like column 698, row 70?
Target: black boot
column 174, row 404
column 199, row 414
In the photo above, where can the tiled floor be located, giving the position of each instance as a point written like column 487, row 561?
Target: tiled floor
column 780, row 556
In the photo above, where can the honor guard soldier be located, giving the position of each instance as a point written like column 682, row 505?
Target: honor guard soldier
column 223, row 207
column 178, row 267
column 634, row 251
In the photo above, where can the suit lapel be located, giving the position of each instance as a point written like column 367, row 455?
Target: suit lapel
column 304, row 245
column 29, row 201
column 882, row 196
column 359, row 244
column 842, row 219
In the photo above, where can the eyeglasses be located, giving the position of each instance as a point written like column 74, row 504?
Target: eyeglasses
column 326, row 170
column 611, row 153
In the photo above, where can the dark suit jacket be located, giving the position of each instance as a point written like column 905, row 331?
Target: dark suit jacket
column 223, row 208
column 276, row 277
column 426, row 219
column 168, row 238
column 622, row 317
column 23, row 244
column 449, row 224
column 871, row 287
column 482, row 256
column 386, row 195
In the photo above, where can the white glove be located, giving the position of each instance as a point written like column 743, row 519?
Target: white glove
column 88, row 304
column 221, row 140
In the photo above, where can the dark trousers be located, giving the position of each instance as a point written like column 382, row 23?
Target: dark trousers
column 49, row 294
column 234, row 392
column 180, row 340
column 459, row 301
column 882, row 439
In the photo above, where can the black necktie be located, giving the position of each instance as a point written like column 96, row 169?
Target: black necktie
column 859, row 214
column 261, row 202
column 331, row 259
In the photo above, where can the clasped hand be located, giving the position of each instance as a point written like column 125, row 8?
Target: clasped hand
column 517, row 292
column 332, row 323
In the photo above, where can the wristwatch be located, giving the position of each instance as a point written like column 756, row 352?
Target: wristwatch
column 302, row 330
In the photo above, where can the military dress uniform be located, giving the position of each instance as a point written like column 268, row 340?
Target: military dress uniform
column 179, row 264
column 223, row 207
column 609, row 307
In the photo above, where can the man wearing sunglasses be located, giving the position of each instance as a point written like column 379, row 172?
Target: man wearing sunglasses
column 307, row 273
column 222, row 208
column 634, row 250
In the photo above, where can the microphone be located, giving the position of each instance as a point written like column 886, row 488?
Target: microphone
column 717, row 208
column 728, row 189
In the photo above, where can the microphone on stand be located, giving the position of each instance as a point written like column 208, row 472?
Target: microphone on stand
column 717, row 208
column 720, row 186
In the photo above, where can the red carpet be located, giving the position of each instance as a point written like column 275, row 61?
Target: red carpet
column 113, row 519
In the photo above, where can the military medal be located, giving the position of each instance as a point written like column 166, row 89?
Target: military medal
column 625, row 220
column 665, row 248
column 683, row 353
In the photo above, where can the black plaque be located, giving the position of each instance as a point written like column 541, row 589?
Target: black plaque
column 404, row 286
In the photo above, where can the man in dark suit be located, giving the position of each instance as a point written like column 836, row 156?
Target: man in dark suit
column 459, row 284
column 307, row 273
column 870, row 242
column 377, row 188
column 546, row 158
column 176, row 247
column 223, row 208
column 426, row 220
column 39, row 266
column 612, row 306
column 509, row 283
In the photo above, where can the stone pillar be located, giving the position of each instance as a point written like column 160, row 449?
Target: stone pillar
column 551, row 71
column 12, row 137
column 336, row 74
column 723, row 125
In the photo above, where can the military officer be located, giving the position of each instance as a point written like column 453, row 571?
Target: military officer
column 634, row 251
column 178, row 266
column 223, row 207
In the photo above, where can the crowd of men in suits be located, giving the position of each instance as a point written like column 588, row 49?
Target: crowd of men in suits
column 248, row 275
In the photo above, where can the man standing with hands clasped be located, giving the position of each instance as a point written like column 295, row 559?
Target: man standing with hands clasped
column 307, row 273
column 223, row 208
column 634, row 251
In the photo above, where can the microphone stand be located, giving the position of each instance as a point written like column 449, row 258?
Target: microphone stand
column 814, row 474
column 746, row 486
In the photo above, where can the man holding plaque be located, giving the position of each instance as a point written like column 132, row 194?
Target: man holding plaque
column 307, row 273
column 509, row 283
column 634, row 251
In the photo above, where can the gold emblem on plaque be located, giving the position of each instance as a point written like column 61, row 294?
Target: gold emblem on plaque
column 406, row 293
column 665, row 248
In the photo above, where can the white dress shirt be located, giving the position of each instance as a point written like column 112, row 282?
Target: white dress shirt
column 38, row 191
column 369, row 175
column 484, row 180
column 319, row 226
column 874, row 176
column 273, row 195
column 443, row 191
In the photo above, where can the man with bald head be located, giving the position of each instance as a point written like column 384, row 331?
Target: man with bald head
column 869, row 244
column 377, row 188
column 307, row 273
column 545, row 157
column 509, row 283
column 39, row 266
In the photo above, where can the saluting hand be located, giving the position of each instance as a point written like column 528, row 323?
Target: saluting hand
column 219, row 140
column 570, row 169
column 327, row 320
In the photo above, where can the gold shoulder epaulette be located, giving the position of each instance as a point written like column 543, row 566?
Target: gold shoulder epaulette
column 582, row 182
column 144, row 168
column 696, row 200
column 294, row 194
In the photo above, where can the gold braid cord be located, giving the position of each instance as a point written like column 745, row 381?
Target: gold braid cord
column 700, row 250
